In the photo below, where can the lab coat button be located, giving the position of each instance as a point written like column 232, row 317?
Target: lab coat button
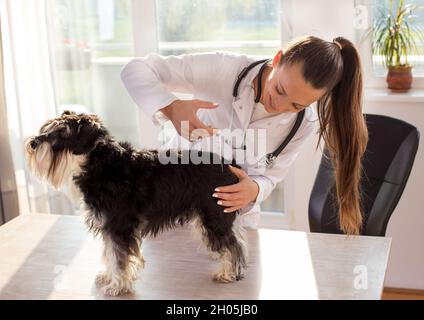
column 241, row 107
column 269, row 123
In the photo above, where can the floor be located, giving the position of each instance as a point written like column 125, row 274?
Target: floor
column 402, row 294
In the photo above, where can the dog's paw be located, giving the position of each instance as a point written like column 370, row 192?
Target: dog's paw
column 102, row 279
column 113, row 288
column 224, row 277
column 116, row 290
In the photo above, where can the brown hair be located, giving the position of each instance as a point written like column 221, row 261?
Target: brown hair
column 336, row 67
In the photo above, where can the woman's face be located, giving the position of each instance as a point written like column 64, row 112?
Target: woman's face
column 286, row 90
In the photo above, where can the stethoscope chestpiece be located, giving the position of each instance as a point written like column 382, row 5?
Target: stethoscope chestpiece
column 270, row 158
column 267, row 161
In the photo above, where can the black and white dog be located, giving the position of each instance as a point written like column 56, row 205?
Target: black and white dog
column 130, row 194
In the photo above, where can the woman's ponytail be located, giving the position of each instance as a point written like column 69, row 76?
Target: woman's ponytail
column 336, row 67
column 345, row 133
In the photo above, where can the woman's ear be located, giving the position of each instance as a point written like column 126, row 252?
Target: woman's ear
column 277, row 58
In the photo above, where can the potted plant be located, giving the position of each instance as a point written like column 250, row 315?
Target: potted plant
column 394, row 38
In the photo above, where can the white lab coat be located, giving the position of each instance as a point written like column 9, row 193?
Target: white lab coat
column 151, row 81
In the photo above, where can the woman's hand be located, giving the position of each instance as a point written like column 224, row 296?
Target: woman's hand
column 181, row 111
column 238, row 195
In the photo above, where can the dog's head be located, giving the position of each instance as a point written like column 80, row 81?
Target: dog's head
column 62, row 145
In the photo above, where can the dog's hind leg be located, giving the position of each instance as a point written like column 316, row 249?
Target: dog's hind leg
column 229, row 241
column 199, row 232
column 122, row 257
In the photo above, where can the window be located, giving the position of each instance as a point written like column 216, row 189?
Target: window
column 91, row 41
column 244, row 26
column 417, row 20
column 80, row 47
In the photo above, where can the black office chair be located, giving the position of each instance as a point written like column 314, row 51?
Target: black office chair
column 387, row 164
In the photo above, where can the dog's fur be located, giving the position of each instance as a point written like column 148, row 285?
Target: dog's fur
column 129, row 194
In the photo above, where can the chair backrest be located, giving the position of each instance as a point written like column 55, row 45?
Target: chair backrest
column 387, row 164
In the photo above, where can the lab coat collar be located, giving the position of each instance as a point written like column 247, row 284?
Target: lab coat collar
column 243, row 105
column 286, row 117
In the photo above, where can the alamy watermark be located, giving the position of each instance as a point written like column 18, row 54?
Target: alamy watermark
column 244, row 147
column 360, row 281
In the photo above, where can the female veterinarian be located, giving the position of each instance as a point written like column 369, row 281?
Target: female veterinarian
column 273, row 95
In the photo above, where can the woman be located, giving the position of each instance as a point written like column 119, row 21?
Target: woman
column 310, row 70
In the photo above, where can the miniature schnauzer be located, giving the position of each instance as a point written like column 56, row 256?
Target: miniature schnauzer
column 131, row 194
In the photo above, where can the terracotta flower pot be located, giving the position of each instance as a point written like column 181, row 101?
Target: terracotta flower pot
column 399, row 78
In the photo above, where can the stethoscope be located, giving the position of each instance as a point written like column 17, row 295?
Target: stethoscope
column 267, row 160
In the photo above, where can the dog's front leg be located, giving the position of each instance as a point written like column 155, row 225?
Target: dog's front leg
column 122, row 258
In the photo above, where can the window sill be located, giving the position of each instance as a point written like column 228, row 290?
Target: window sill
column 111, row 61
column 273, row 220
column 383, row 94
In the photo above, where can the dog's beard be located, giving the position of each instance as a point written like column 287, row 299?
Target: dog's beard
column 57, row 168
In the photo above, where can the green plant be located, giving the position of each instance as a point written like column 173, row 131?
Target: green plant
column 394, row 34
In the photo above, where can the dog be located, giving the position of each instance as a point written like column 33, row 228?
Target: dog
column 129, row 195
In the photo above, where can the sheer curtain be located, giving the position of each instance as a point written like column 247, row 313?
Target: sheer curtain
column 91, row 40
column 29, row 94
column 9, row 208
column 64, row 54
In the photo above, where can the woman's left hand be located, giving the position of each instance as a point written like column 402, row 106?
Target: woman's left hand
column 238, row 195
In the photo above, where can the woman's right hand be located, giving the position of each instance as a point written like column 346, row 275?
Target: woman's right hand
column 183, row 115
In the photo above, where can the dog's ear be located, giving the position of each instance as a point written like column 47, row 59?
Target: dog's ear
column 67, row 113
column 88, row 135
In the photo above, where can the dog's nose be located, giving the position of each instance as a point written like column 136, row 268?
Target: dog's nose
column 34, row 143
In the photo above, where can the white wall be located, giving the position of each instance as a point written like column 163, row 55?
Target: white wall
column 319, row 18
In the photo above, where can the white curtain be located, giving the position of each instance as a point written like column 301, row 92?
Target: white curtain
column 30, row 95
column 9, row 207
column 64, row 54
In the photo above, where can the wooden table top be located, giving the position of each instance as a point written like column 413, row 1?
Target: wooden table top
column 45, row 256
